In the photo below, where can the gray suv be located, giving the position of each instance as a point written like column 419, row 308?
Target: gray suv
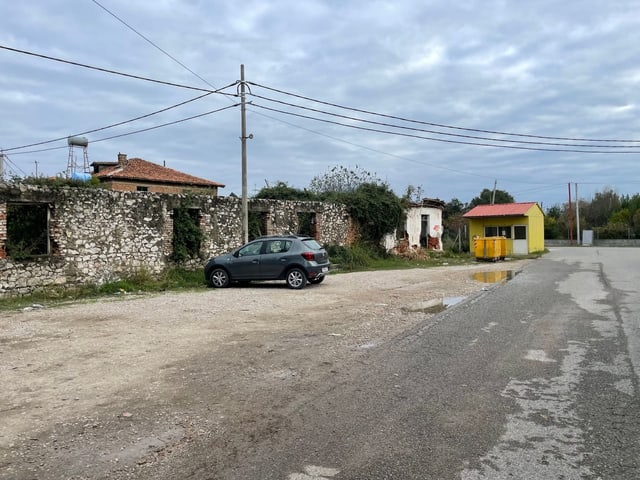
column 295, row 259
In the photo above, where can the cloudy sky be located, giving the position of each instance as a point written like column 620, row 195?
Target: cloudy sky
column 447, row 96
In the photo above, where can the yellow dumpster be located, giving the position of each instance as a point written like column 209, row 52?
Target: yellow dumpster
column 490, row 248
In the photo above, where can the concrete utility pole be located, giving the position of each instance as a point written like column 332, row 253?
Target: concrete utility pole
column 570, row 216
column 243, row 138
column 577, row 216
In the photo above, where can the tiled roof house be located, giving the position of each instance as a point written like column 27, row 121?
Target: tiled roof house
column 136, row 174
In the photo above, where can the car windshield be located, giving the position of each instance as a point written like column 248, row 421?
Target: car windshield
column 312, row 244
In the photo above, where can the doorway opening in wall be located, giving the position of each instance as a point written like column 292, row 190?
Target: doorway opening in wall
column 307, row 224
column 257, row 224
column 27, row 230
column 187, row 235
column 424, row 230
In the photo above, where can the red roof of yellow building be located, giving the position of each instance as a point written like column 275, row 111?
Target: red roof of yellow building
column 500, row 210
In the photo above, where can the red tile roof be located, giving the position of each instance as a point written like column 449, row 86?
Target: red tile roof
column 142, row 170
column 500, row 210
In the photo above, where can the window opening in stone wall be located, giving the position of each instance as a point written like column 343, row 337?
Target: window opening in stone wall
column 140, row 188
column 257, row 224
column 27, row 230
column 187, row 235
column 307, row 224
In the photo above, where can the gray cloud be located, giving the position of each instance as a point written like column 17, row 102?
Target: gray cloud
column 535, row 68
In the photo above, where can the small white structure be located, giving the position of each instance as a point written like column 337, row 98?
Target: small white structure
column 422, row 229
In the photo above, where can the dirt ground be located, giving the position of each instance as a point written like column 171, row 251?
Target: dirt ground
column 128, row 387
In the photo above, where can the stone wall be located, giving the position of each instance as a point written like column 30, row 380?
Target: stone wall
column 97, row 235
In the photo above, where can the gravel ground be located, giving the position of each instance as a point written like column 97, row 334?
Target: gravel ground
column 133, row 387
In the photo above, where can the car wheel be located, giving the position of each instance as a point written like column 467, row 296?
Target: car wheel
column 296, row 279
column 317, row 280
column 219, row 278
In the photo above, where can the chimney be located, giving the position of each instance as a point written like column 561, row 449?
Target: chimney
column 122, row 159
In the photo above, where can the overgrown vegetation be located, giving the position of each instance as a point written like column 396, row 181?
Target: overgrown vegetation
column 371, row 202
column 59, row 181
column 27, row 230
column 609, row 215
column 187, row 235
column 141, row 282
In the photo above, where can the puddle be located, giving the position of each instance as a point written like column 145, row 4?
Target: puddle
column 434, row 305
column 450, row 301
column 498, row 276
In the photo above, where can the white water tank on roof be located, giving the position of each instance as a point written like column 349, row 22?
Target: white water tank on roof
column 78, row 141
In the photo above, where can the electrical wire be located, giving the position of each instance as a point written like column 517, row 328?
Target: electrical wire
column 515, row 147
column 438, row 124
column 6, row 158
column 150, row 41
column 402, row 127
column 105, row 70
column 138, row 131
column 114, row 124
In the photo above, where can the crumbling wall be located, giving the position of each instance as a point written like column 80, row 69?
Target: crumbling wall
column 98, row 235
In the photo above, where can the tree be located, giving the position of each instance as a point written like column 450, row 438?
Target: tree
column 413, row 194
column 282, row 191
column 340, row 179
column 599, row 210
column 485, row 198
column 376, row 209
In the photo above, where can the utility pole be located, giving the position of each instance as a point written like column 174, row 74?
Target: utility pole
column 577, row 216
column 570, row 217
column 243, row 138
column 493, row 195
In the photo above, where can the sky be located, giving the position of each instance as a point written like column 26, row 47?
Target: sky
column 448, row 97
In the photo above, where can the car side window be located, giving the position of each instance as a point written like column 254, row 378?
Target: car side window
column 251, row 249
column 278, row 246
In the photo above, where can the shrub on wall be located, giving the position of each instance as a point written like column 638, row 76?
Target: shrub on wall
column 187, row 235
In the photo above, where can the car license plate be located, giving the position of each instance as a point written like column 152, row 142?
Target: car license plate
column 325, row 269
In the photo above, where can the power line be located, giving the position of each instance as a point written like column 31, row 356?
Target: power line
column 105, row 70
column 114, row 124
column 150, row 41
column 402, row 127
column 421, row 137
column 5, row 157
column 138, row 131
column 438, row 124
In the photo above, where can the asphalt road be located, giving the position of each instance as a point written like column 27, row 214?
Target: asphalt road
column 533, row 379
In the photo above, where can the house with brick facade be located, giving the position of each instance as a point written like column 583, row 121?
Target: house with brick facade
column 136, row 174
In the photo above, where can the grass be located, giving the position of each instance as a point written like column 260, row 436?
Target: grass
column 352, row 259
column 140, row 283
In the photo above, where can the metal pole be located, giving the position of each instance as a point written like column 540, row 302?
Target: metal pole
column 243, row 112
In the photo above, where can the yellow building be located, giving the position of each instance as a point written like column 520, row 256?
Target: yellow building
column 521, row 223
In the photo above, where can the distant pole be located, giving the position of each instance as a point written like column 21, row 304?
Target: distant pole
column 493, row 195
column 36, row 169
column 570, row 217
column 577, row 216
column 245, row 203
